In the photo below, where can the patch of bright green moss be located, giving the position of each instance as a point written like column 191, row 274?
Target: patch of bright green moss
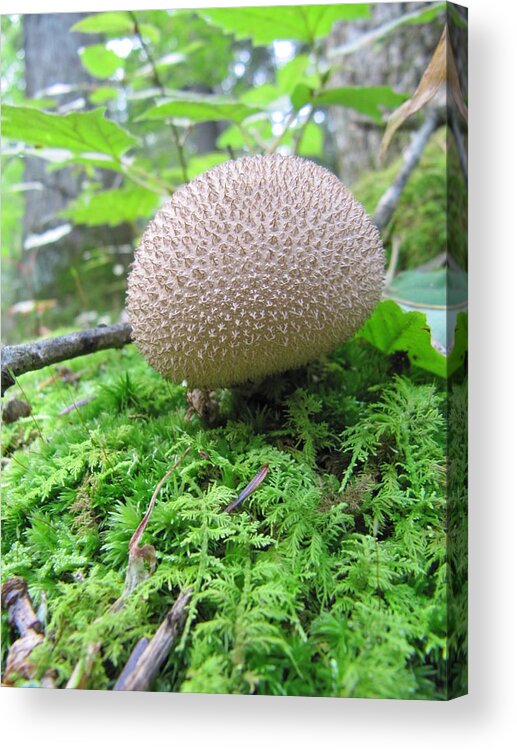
column 329, row 580
column 420, row 219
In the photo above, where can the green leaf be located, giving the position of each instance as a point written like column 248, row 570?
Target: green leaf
column 114, row 24
column 103, row 94
column 292, row 73
column 99, row 61
column 113, row 207
column 233, row 135
column 262, row 95
column 199, row 108
column 301, row 94
column 456, row 358
column 440, row 294
column 365, row 99
column 266, row 25
column 430, row 288
column 78, row 132
column 311, row 143
column 391, row 330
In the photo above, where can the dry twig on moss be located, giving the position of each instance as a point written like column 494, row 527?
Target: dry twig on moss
column 20, row 612
column 139, row 675
column 22, row 358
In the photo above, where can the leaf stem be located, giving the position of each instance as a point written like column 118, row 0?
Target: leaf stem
column 158, row 82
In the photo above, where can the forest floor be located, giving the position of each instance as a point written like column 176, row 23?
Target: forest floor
column 330, row 579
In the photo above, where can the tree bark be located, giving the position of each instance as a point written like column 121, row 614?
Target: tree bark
column 51, row 58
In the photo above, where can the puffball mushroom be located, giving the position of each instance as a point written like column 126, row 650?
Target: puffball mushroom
column 256, row 266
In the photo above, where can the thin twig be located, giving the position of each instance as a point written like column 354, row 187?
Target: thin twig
column 135, row 574
column 76, row 405
column 292, row 117
column 151, row 659
column 158, row 82
column 22, row 358
column 17, row 382
column 388, row 203
column 20, row 612
column 251, row 487
column 135, row 539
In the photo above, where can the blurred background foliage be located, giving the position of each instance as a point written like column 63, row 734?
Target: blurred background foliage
column 137, row 103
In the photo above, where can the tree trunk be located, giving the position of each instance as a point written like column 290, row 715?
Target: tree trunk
column 51, row 58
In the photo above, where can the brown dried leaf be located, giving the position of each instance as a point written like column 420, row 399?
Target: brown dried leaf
column 440, row 72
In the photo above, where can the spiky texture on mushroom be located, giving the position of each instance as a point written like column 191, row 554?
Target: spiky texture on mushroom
column 256, row 266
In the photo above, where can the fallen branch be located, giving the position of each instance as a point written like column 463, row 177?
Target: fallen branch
column 141, row 564
column 388, row 203
column 139, row 675
column 22, row 358
column 21, row 615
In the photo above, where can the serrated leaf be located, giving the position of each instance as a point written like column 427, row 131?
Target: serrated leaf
column 113, row 23
column 99, row 61
column 391, row 330
column 113, row 207
column 199, row 108
column 78, row 132
column 303, row 23
column 368, row 100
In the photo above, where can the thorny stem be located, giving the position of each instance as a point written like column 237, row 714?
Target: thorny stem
column 158, row 81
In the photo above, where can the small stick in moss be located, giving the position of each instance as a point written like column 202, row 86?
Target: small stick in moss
column 137, row 571
column 20, row 613
column 153, row 656
column 251, row 487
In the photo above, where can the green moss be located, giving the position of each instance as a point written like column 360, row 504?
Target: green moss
column 328, row 580
column 420, row 219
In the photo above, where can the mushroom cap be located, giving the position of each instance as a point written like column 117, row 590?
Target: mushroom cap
column 256, row 266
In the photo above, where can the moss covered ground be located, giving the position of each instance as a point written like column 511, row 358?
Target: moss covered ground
column 330, row 579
